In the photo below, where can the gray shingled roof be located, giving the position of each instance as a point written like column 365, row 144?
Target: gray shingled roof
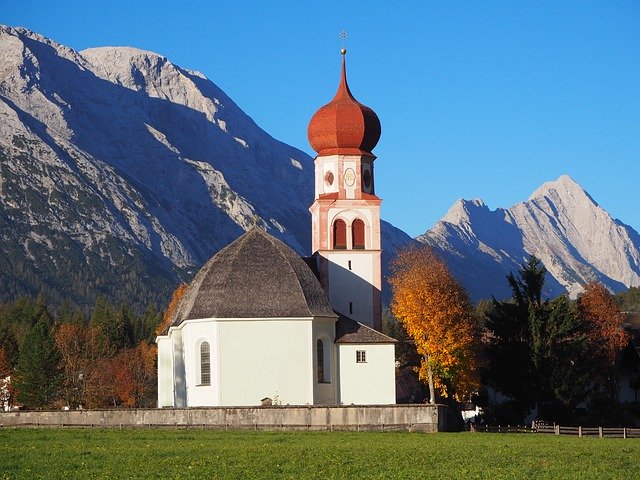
column 256, row 276
column 350, row 331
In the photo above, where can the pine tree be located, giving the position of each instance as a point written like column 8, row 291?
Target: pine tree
column 537, row 350
column 37, row 374
column 9, row 344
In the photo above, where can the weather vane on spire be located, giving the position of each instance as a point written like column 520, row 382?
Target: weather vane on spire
column 343, row 36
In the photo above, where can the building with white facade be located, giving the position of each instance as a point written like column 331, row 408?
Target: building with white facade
column 260, row 324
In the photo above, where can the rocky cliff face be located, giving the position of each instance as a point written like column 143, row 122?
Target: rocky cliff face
column 576, row 239
column 118, row 167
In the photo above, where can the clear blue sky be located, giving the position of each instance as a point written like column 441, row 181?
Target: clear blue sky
column 476, row 99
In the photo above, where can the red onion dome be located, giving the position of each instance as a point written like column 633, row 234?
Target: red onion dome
column 344, row 126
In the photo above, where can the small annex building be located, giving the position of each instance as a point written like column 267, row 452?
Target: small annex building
column 259, row 324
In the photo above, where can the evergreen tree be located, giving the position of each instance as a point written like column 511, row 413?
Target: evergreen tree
column 68, row 314
column 102, row 319
column 9, row 344
column 537, row 351
column 37, row 375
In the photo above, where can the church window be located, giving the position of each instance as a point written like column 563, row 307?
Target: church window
column 357, row 230
column 366, row 179
column 205, row 364
column 339, row 235
column 361, row 356
column 329, row 178
column 322, row 363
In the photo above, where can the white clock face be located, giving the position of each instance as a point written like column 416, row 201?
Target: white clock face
column 349, row 177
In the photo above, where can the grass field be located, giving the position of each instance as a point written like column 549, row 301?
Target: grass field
column 163, row 453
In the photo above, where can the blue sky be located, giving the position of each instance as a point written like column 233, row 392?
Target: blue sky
column 476, row 99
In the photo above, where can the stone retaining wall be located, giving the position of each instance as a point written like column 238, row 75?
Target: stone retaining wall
column 424, row 418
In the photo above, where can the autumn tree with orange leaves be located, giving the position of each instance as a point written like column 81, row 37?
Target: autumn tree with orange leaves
column 88, row 373
column 177, row 295
column 436, row 312
column 601, row 313
column 135, row 375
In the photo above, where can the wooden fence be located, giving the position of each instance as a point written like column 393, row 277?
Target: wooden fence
column 553, row 429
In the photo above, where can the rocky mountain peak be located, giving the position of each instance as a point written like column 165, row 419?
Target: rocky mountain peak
column 576, row 239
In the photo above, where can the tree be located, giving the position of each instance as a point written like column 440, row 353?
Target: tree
column 37, row 375
column 604, row 321
column 177, row 295
column 536, row 350
column 436, row 312
column 9, row 344
column 135, row 375
column 85, row 370
column 630, row 300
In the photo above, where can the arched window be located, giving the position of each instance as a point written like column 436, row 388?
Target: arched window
column 323, row 364
column 205, row 364
column 339, row 235
column 320, row 360
column 357, row 230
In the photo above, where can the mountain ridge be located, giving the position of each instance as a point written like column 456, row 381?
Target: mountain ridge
column 576, row 239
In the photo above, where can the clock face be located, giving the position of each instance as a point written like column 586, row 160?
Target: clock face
column 349, row 177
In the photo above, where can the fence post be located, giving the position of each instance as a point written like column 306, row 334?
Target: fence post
column 600, row 431
column 557, row 429
column 579, row 431
column 624, row 432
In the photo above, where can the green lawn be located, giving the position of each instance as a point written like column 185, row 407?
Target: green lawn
column 163, row 453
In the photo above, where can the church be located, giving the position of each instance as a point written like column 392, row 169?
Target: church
column 261, row 325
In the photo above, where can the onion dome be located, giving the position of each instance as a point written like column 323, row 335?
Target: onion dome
column 256, row 276
column 344, row 126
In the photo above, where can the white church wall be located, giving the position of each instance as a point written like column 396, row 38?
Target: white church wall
column 179, row 384
column 194, row 332
column 165, row 372
column 356, row 301
column 266, row 358
column 371, row 382
column 325, row 393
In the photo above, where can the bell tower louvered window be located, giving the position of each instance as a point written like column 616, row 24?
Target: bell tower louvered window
column 339, row 235
column 357, row 230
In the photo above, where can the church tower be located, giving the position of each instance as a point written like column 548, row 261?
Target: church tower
column 346, row 210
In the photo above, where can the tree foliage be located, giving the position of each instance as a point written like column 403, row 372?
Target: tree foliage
column 83, row 360
column 599, row 309
column 177, row 295
column 436, row 312
column 537, row 351
column 37, row 376
column 629, row 301
column 135, row 375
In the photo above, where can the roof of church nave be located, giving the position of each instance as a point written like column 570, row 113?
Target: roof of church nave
column 255, row 276
column 344, row 126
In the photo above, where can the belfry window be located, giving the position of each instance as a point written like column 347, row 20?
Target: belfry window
column 357, row 230
column 339, row 235
column 205, row 364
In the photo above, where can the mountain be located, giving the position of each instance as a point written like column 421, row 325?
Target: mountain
column 575, row 238
column 121, row 173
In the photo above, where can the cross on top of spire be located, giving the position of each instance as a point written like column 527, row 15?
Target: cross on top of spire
column 343, row 36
